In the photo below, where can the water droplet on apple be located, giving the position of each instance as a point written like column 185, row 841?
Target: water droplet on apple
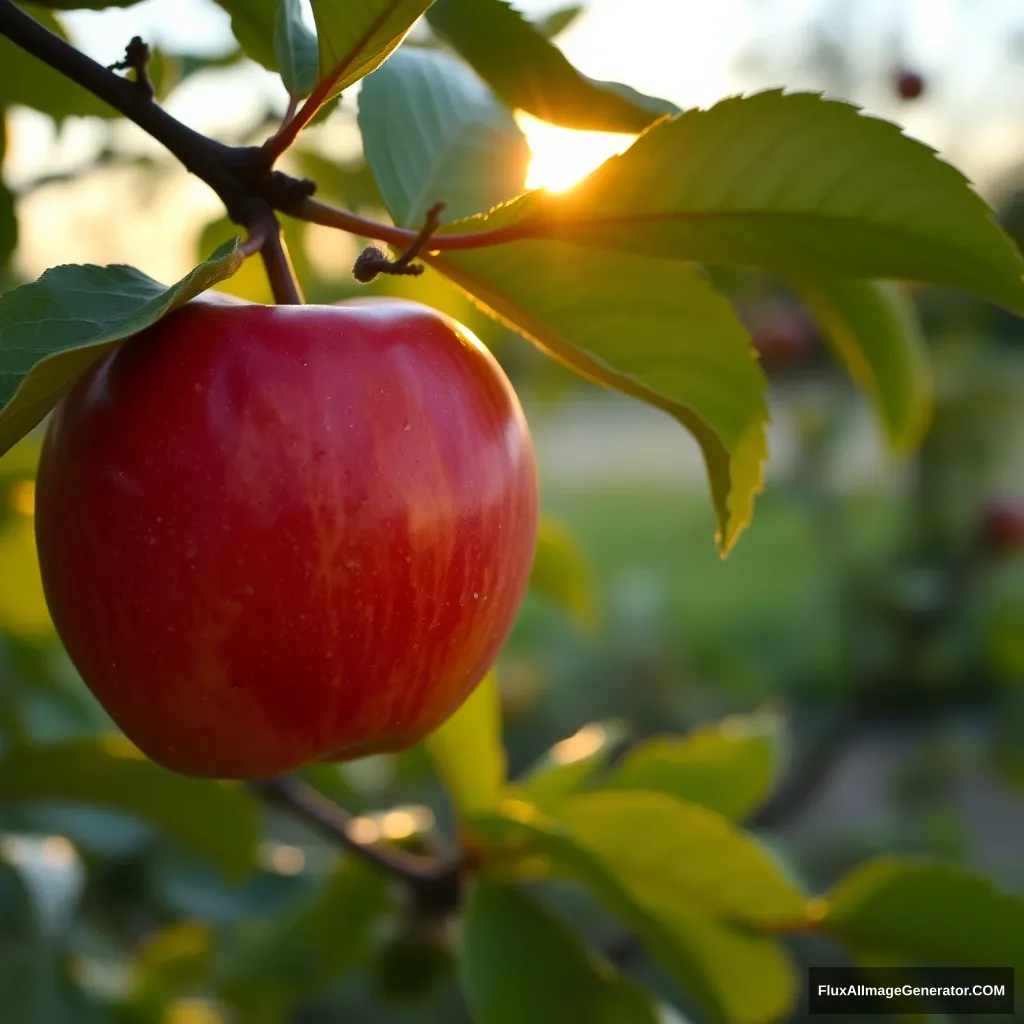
column 408, row 426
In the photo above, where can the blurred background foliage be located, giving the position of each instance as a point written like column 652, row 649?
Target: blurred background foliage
column 874, row 605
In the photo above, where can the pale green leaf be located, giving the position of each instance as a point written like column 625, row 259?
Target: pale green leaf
column 432, row 131
column 654, row 329
column 561, row 573
column 926, row 912
column 253, row 24
column 468, row 751
column 729, row 767
column 357, row 38
column 555, row 23
column 295, row 49
column 215, row 821
column 530, row 73
column 688, row 857
column 520, row 963
column 704, row 954
column 54, row 329
column 788, row 183
column 873, row 329
column 570, row 764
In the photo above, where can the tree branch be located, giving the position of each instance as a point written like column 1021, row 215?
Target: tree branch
column 238, row 174
column 316, row 212
column 813, row 769
column 434, row 882
column 206, row 158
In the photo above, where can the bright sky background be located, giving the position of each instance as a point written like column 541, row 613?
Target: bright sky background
column 690, row 51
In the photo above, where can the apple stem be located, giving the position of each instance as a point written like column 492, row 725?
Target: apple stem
column 435, row 882
column 278, row 264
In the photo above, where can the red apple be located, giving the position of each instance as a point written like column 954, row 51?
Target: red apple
column 783, row 336
column 1002, row 525
column 271, row 535
column 909, row 85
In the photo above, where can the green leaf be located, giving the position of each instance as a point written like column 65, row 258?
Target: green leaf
column 254, row 25
column 295, row 956
column 520, row 963
column 214, row 821
column 530, row 73
column 926, row 913
column 873, row 329
column 357, row 38
column 175, row 958
column 55, row 328
column 433, row 131
column 555, row 23
column 295, row 49
column 28, row 82
column 704, row 954
column 729, row 767
column 654, row 329
column 569, row 765
column 468, row 751
column 789, row 183
column 673, row 854
column 561, row 573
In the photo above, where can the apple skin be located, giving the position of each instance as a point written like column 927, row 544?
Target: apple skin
column 1002, row 525
column 273, row 535
column 909, row 85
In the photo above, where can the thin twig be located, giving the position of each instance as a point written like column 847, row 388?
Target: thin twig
column 137, row 56
column 372, row 262
column 238, row 174
column 434, row 881
column 316, row 212
column 813, row 769
column 206, row 158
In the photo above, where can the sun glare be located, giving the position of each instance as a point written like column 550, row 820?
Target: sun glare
column 562, row 156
